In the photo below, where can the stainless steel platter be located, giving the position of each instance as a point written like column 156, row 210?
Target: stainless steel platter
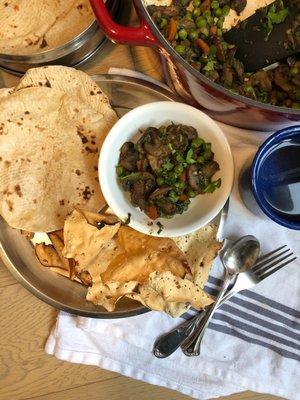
column 17, row 252
column 72, row 53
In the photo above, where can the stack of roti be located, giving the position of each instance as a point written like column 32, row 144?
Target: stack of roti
column 52, row 126
column 32, row 26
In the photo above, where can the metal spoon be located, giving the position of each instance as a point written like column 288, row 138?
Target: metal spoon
column 239, row 257
column 168, row 343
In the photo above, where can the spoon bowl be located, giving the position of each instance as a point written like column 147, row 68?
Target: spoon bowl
column 241, row 255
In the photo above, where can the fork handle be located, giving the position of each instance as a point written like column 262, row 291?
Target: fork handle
column 168, row 343
column 191, row 347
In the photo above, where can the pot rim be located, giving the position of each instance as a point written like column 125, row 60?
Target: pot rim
column 58, row 52
column 198, row 75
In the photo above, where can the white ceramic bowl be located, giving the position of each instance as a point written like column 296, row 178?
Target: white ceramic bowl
column 203, row 208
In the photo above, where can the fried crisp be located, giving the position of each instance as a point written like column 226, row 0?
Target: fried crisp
column 164, row 288
column 48, row 256
column 116, row 261
column 200, row 249
column 138, row 266
column 91, row 248
column 107, row 295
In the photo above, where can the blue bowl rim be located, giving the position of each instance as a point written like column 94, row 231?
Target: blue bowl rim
column 283, row 134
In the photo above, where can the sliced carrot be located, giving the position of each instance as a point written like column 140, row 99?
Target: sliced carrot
column 152, row 211
column 202, row 45
column 205, row 6
column 172, row 29
column 183, row 197
column 139, row 165
column 183, row 176
column 213, row 29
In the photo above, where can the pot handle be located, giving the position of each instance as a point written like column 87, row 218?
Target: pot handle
column 141, row 35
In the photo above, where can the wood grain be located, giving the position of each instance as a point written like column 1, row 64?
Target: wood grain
column 6, row 279
column 26, row 372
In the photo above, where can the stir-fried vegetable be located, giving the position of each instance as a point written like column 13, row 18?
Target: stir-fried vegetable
column 195, row 30
column 166, row 168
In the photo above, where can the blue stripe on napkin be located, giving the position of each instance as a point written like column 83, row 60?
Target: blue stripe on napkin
column 256, row 319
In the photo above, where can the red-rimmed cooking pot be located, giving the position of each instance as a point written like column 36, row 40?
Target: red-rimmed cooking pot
column 189, row 83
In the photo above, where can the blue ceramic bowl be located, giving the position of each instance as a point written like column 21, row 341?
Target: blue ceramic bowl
column 265, row 170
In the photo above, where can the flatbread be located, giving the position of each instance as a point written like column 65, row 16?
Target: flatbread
column 32, row 26
column 50, row 138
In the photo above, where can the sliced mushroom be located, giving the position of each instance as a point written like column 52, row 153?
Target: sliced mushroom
column 238, row 5
column 141, row 188
column 159, row 193
column 238, row 67
column 198, row 176
column 177, row 137
column 128, row 156
column 155, row 162
column 167, row 207
column 153, row 143
column 189, row 131
column 209, row 169
column 261, row 79
column 281, row 78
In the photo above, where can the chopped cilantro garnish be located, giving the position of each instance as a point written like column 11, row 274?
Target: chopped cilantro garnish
column 274, row 17
column 211, row 187
column 127, row 221
column 210, row 66
column 189, row 157
column 160, row 226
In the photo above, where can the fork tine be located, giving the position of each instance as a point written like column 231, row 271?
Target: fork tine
column 261, row 258
column 264, row 276
column 267, row 265
column 266, row 259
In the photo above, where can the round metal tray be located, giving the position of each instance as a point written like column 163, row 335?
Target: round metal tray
column 72, row 54
column 17, row 251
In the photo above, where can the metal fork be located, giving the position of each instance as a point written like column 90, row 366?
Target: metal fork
column 183, row 334
column 266, row 266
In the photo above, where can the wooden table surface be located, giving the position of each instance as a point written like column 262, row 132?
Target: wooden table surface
column 26, row 372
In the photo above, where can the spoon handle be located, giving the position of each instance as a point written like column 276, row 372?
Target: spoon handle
column 191, row 347
column 166, row 344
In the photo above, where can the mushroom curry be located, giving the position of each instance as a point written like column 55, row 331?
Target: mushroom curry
column 167, row 167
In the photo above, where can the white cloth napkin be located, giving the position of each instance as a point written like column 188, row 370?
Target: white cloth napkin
column 253, row 342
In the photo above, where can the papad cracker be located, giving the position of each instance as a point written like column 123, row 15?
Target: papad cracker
column 91, row 248
column 200, row 249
